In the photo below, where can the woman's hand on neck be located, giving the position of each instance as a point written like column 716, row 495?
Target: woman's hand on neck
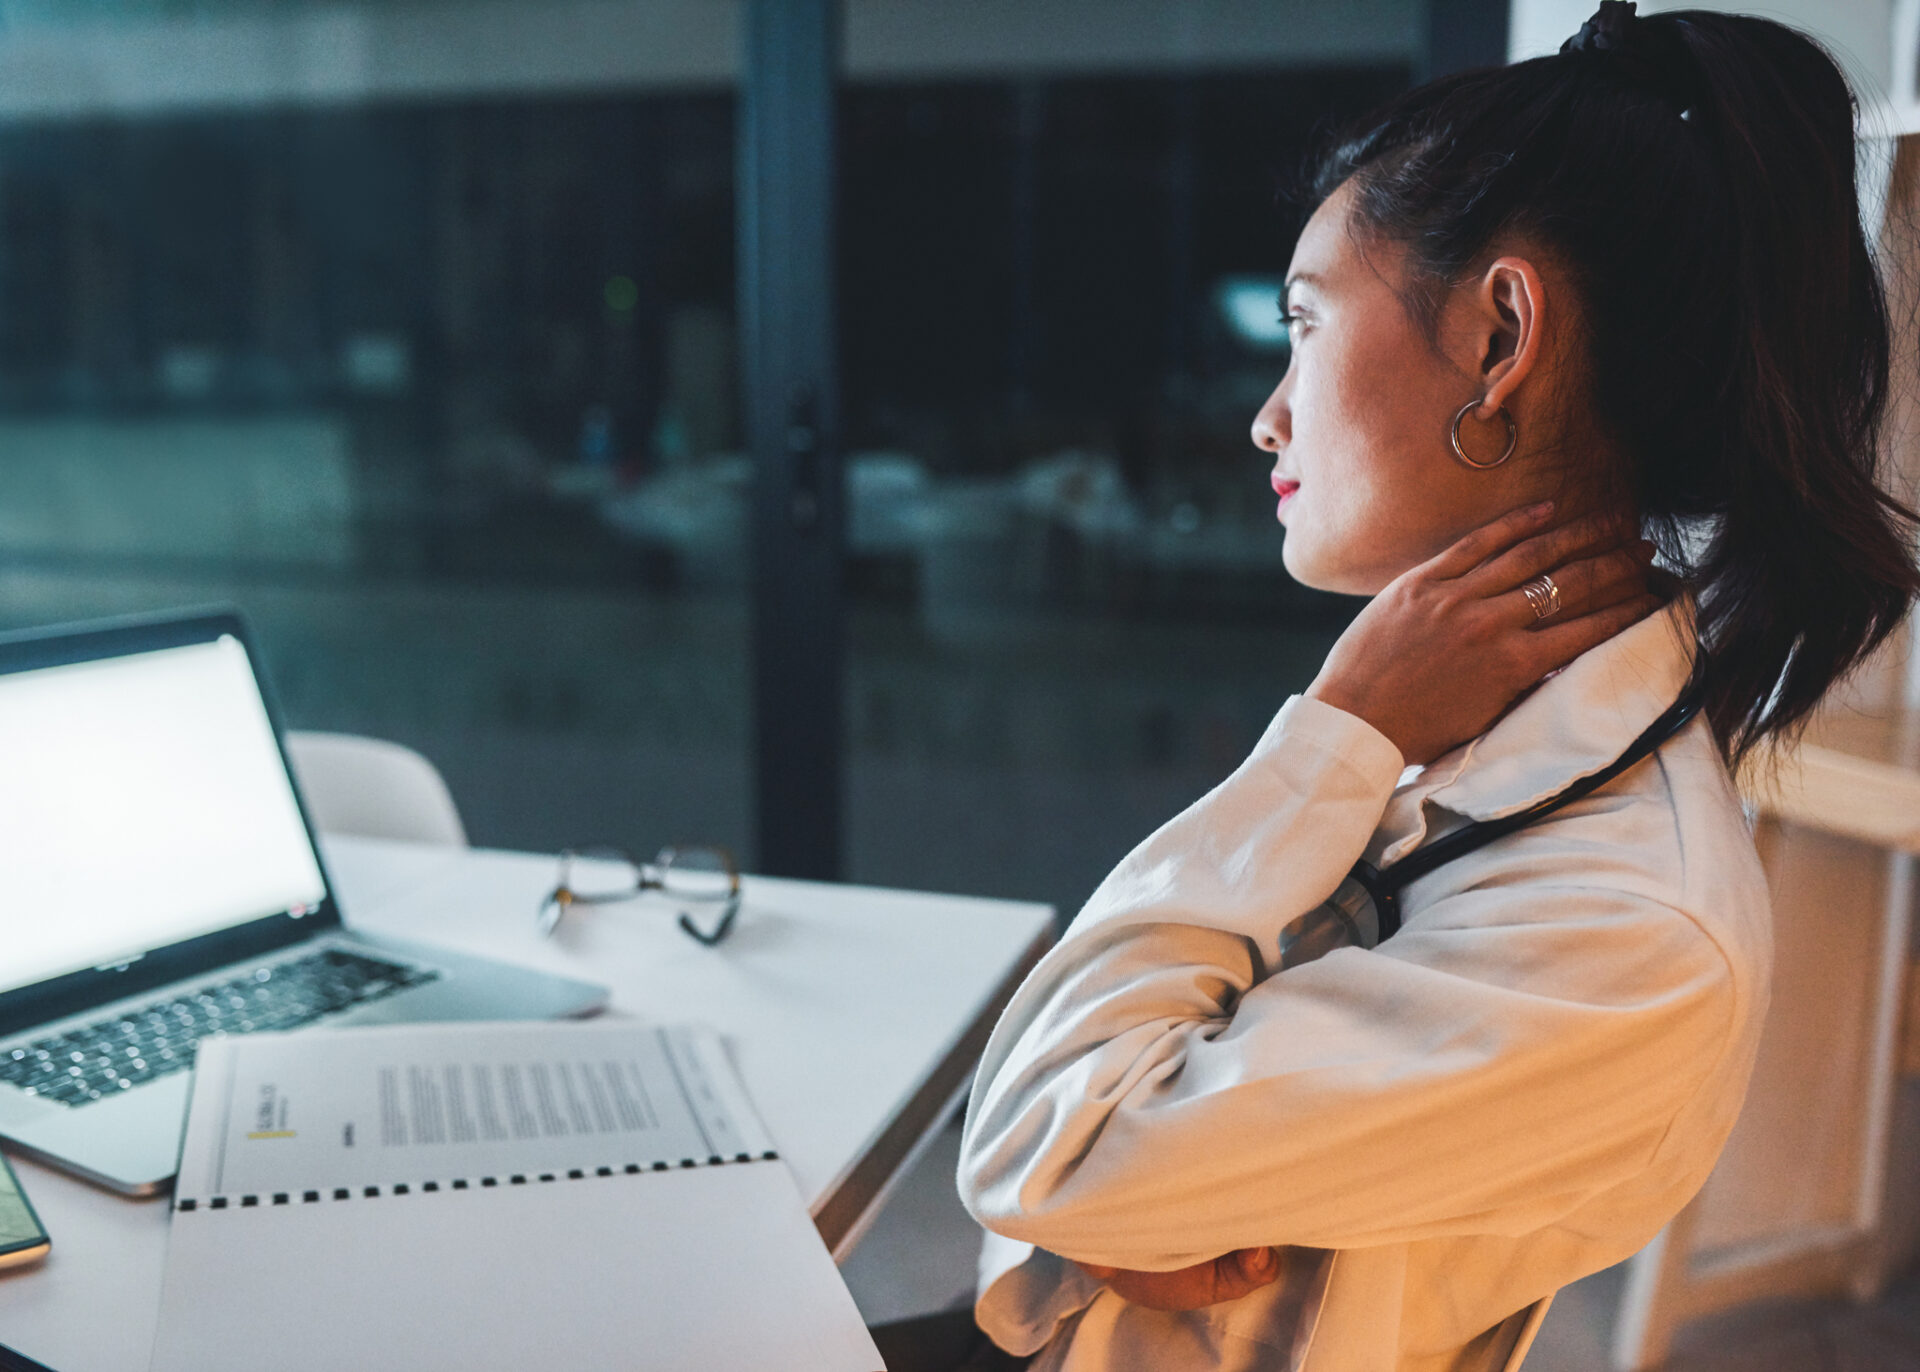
column 1448, row 646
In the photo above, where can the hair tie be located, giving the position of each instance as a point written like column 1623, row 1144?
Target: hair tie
column 1653, row 56
column 1608, row 30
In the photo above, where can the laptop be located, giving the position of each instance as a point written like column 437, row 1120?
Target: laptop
column 159, row 883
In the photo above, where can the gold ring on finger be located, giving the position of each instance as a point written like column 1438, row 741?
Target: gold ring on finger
column 1543, row 594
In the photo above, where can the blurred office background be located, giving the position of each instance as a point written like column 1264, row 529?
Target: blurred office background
column 427, row 331
column 411, row 326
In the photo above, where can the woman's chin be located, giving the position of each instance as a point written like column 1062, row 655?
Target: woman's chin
column 1319, row 573
column 1297, row 556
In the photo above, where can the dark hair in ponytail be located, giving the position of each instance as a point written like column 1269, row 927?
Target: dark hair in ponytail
column 1694, row 174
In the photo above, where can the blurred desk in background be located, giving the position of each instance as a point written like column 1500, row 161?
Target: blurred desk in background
column 855, row 1014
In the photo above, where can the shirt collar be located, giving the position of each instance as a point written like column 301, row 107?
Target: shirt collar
column 1572, row 725
column 1577, row 721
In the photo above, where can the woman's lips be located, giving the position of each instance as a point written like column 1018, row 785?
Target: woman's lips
column 1285, row 489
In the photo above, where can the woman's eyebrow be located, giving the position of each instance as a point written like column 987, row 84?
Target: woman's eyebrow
column 1297, row 279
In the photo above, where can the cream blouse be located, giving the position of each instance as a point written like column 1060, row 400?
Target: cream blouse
column 1520, row 1088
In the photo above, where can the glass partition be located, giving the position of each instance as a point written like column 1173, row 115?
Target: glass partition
column 1070, row 616
column 409, row 327
column 421, row 352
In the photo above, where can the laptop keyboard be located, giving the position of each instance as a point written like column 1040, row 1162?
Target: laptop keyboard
column 112, row 1055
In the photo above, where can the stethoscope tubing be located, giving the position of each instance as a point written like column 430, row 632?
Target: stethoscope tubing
column 1383, row 885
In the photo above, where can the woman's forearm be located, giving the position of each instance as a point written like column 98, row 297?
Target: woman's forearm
column 1158, row 961
column 1157, row 1095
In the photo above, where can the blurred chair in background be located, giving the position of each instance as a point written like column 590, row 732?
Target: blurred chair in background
column 371, row 788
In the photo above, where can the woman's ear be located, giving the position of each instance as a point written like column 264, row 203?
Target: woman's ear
column 1508, row 313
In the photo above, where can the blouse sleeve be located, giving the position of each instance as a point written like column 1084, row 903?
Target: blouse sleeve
column 1155, row 1096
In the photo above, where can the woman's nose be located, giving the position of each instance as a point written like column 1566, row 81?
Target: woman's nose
column 1270, row 425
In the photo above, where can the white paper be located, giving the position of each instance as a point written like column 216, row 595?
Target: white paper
column 445, row 1102
column 700, row 1268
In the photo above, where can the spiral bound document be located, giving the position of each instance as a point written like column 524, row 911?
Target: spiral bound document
column 477, row 1196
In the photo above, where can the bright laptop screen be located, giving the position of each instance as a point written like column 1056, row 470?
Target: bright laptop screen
column 142, row 801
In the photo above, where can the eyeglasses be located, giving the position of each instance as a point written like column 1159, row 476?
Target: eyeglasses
column 703, row 878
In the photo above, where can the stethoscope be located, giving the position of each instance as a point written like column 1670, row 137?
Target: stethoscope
column 1383, row 885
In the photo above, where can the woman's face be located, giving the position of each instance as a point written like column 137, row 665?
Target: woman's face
column 1358, row 426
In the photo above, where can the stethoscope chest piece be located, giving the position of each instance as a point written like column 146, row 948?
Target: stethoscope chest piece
column 1346, row 919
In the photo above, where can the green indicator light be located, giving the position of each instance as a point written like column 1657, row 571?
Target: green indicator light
column 621, row 294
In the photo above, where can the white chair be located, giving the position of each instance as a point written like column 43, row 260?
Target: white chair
column 371, row 788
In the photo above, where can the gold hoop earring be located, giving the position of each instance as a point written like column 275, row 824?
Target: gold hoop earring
column 1513, row 438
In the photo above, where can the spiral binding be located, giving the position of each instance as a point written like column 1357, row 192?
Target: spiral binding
column 339, row 1193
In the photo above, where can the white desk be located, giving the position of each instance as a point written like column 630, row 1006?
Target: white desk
column 856, row 1016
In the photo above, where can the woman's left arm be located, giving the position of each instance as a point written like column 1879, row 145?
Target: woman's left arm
column 1153, row 1098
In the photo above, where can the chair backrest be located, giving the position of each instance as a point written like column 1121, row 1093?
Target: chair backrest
column 374, row 789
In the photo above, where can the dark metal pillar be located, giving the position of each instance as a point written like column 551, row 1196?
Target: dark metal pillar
column 789, row 351
column 1029, row 126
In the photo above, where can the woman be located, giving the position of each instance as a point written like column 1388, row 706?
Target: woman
column 1537, row 312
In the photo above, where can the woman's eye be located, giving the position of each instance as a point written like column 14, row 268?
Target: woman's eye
column 1292, row 323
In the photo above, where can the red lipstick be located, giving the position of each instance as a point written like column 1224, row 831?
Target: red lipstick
column 1285, row 489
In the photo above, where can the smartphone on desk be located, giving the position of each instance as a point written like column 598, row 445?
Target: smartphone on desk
column 23, row 1240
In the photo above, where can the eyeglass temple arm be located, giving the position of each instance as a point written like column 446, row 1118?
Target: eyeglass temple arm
column 720, row 930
